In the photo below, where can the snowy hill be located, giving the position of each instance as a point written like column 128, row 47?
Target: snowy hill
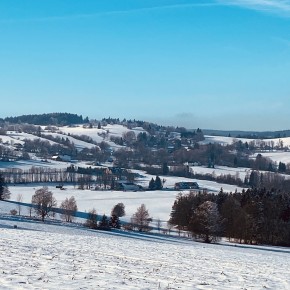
column 103, row 134
column 229, row 140
column 56, row 256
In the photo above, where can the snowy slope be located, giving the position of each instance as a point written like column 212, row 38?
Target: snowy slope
column 223, row 140
column 98, row 135
column 103, row 134
column 240, row 172
column 229, row 140
column 276, row 156
column 27, row 164
column 18, row 137
column 78, row 143
column 43, row 256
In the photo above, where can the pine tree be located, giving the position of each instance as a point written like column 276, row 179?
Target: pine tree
column 4, row 191
column 118, row 210
column 165, row 169
column 282, row 167
column 206, row 222
column 152, row 184
column 158, row 183
column 104, row 223
column 115, row 222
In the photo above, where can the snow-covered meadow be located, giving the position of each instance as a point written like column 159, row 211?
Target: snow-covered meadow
column 54, row 255
column 229, row 140
column 276, row 156
column 159, row 202
column 58, row 256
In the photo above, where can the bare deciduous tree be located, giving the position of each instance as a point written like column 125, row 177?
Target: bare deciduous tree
column 141, row 218
column 19, row 198
column 43, row 201
column 170, row 226
column 92, row 220
column 30, row 209
column 158, row 224
column 69, row 207
column 129, row 137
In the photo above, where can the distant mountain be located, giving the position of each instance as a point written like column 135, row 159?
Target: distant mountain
column 48, row 119
column 248, row 134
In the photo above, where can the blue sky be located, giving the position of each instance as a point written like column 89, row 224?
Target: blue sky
column 211, row 64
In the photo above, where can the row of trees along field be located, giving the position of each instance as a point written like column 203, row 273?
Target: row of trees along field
column 44, row 204
column 251, row 216
column 84, row 178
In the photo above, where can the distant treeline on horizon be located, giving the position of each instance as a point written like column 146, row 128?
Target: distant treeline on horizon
column 65, row 119
column 48, row 119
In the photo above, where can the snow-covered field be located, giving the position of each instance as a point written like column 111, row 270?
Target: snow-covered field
column 20, row 137
column 229, row 140
column 58, row 256
column 111, row 130
column 98, row 135
column 103, row 134
column 276, row 156
column 159, row 202
column 78, row 143
column 46, row 256
column 223, row 140
column 240, row 172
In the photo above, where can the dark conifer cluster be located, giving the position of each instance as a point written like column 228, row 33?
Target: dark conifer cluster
column 48, row 119
column 156, row 184
column 252, row 216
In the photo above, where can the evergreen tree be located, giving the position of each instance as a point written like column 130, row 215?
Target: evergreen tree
column 104, row 223
column 235, row 161
column 115, row 222
column 118, row 210
column 282, row 167
column 230, row 210
column 4, row 191
column 158, row 183
column 270, row 168
column 152, row 184
column 165, row 169
column 206, row 222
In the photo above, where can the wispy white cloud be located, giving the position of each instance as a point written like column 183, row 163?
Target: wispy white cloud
column 115, row 12
column 276, row 6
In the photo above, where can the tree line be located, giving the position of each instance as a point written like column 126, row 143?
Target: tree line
column 44, row 205
column 84, row 178
column 48, row 119
column 252, row 216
